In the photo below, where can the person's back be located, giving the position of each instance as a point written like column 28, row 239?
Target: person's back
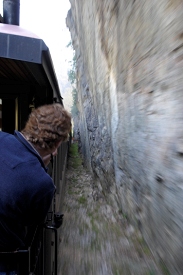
column 25, row 186
column 23, row 182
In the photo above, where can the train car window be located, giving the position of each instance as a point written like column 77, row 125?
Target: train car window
column 0, row 114
column 16, row 114
column 9, row 115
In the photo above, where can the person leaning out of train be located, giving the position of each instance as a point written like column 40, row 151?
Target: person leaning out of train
column 25, row 186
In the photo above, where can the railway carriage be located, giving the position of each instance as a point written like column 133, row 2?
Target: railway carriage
column 28, row 80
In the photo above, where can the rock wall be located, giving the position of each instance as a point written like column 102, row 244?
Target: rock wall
column 130, row 122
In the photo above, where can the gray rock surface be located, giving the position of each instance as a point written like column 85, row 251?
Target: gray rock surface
column 94, row 238
column 130, row 122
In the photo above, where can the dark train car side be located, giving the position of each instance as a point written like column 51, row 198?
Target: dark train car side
column 28, row 80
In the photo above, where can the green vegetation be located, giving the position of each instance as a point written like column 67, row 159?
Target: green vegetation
column 151, row 272
column 76, row 159
column 82, row 200
column 74, row 180
column 164, row 268
column 94, row 226
column 73, row 80
column 73, row 150
column 121, row 270
column 144, row 246
column 141, row 246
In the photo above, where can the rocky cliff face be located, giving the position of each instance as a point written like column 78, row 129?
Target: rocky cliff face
column 130, row 122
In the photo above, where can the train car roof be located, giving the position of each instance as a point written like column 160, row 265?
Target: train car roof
column 24, row 57
column 16, row 30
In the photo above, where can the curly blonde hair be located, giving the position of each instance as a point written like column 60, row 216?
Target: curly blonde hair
column 47, row 125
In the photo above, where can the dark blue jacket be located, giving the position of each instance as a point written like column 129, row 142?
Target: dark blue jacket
column 26, row 190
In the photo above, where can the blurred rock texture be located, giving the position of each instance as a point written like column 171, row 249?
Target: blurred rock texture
column 130, row 122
